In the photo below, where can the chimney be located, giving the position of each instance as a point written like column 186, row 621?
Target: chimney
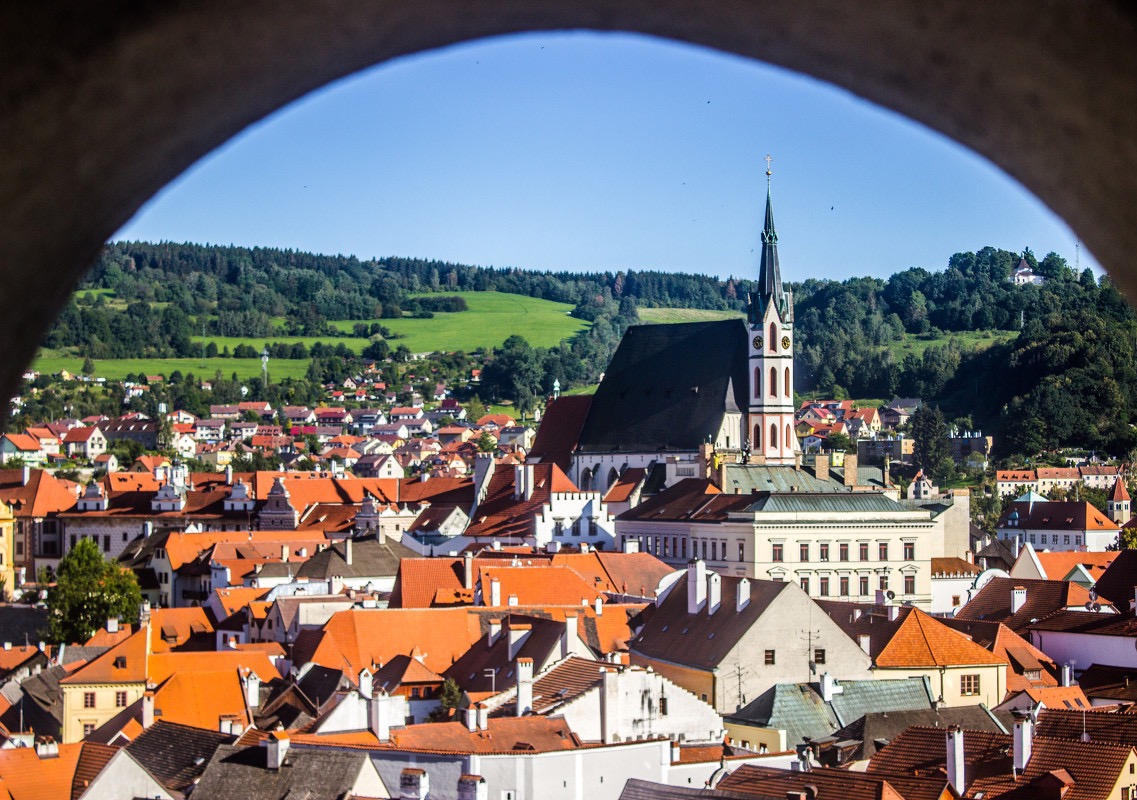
column 384, row 712
column 1067, row 675
column 414, row 784
column 955, row 769
column 1018, row 598
column 742, row 595
column 252, row 683
column 26, row 475
column 1024, row 739
column 278, row 743
column 147, row 709
column 144, row 613
column 517, row 636
column 893, row 613
column 472, row 787
column 568, row 639
column 284, row 552
column 112, row 625
column 147, row 529
column 676, row 752
column 347, row 550
column 495, row 592
column 865, row 642
column 830, row 687
column 495, row 631
column 468, row 570
column 483, row 716
column 228, row 474
column 365, row 683
column 696, row 585
column 821, row 466
column 599, row 605
column 714, row 592
column 850, row 469
column 524, row 686
column 609, row 704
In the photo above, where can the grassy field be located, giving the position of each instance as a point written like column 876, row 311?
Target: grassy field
column 968, row 341
column 492, row 318
column 119, row 368
column 654, row 315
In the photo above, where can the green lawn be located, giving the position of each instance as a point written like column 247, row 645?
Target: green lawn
column 968, row 340
column 493, row 317
column 654, row 315
column 258, row 342
column 119, row 368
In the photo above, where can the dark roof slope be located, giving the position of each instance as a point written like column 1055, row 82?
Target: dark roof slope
column 876, row 729
column 828, row 782
column 369, row 558
column 993, row 602
column 666, row 387
column 1100, row 726
column 175, row 754
column 313, row 774
column 560, row 430
column 703, row 640
column 1117, row 582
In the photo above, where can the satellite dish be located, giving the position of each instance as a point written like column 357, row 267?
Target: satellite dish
column 1089, row 606
column 1097, row 606
column 891, row 595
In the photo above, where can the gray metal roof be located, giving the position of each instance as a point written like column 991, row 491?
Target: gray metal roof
column 745, row 478
column 862, row 697
column 825, row 501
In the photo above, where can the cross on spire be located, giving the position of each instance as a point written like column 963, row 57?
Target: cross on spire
column 769, row 171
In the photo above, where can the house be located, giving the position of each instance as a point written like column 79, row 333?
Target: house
column 22, row 446
column 729, row 639
column 1053, row 525
column 36, row 498
column 907, row 643
column 516, row 435
column 272, row 770
column 107, row 462
column 1082, row 567
column 132, row 427
column 225, row 412
column 952, row 579
column 209, row 430
column 48, row 771
column 1016, row 602
column 1014, row 482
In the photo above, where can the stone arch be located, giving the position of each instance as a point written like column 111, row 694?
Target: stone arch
column 104, row 106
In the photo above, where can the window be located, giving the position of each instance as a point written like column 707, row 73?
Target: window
column 120, row 699
column 864, row 585
column 663, row 706
column 843, row 551
column 909, row 551
column 823, row 586
column 88, row 729
column 684, row 547
column 88, row 699
column 741, row 551
column 823, row 551
column 819, row 655
column 803, row 551
column 675, row 546
column 666, row 552
column 910, row 584
column 882, row 551
column 804, row 581
column 786, row 383
column 969, row 685
column 773, row 338
column 558, row 527
column 106, row 543
column 124, row 536
column 777, row 553
column 757, row 381
column 863, row 551
column 954, row 599
column 414, row 693
column 592, row 526
column 714, row 551
column 704, row 549
column 769, row 658
column 844, row 585
column 1066, row 539
column 773, row 381
column 882, row 583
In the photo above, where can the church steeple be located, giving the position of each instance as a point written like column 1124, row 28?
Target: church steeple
column 769, row 273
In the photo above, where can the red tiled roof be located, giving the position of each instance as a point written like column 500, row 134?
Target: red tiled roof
column 1120, row 493
column 921, row 641
column 1057, row 516
column 993, row 601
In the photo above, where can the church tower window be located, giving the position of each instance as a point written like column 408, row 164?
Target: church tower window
column 773, row 339
column 786, row 384
column 757, row 437
column 773, row 381
column 774, row 435
column 788, row 434
column 757, row 382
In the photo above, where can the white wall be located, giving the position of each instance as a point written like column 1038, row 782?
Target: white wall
column 124, row 779
column 1086, row 649
column 944, row 589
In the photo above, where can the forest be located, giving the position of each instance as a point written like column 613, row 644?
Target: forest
column 1057, row 368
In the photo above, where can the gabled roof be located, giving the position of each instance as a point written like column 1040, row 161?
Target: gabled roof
column 544, row 585
column 1120, row 493
column 666, row 387
column 875, row 729
column 1058, row 565
column 23, row 442
column 921, row 642
column 1119, row 579
column 703, row 640
column 1100, row 726
column 175, row 754
column 369, row 558
column 312, row 774
column 832, row 782
column 26, row 776
column 1052, row 515
column 559, row 430
column 993, row 601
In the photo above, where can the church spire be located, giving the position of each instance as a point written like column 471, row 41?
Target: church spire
column 769, row 273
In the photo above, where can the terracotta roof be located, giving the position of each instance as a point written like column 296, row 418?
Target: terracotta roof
column 26, row 776
column 1071, row 697
column 832, row 782
column 200, row 697
column 1108, row 683
column 622, row 489
column 24, row 442
column 538, row 586
column 405, row 669
column 92, row 758
column 560, row 429
column 921, row 641
column 1020, row 654
column 503, row 514
column 1059, row 564
column 953, row 566
column 1120, row 493
column 993, row 601
column 43, row 494
column 1088, row 622
column 17, row 655
column 1101, row 726
column 1117, row 582
column 1056, row 516
column 922, row 751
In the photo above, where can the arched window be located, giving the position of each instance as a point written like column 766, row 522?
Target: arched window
column 757, row 382
column 773, row 338
column 789, row 433
column 786, row 383
column 586, row 480
column 774, row 435
column 757, row 445
column 613, row 476
column 773, row 381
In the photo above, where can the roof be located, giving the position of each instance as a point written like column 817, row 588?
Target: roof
column 993, row 601
column 26, row 776
column 1020, row 654
column 667, row 386
column 1101, row 726
column 1119, row 579
column 42, row 495
column 24, row 442
column 92, row 758
column 559, row 430
column 831, row 782
column 538, row 586
column 312, row 774
column 1120, row 493
column 953, row 566
column 503, row 514
column 702, row 640
column 1108, row 683
column 1056, row 516
column 637, row 789
column 1058, row 565
column 369, row 558
column 175, row 754
column 921, row 641
column 875, row 729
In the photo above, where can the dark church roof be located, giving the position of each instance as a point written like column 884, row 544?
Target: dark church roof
column 667, row 386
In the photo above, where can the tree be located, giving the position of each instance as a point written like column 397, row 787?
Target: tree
column 448, row 700
column 87, row 592
column 840, row 442
column 929, row 441
column 88, row 367
column 486, row 443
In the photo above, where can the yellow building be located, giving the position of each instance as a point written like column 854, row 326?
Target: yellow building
column 7, row 551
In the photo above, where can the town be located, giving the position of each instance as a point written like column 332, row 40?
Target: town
column 685, row 584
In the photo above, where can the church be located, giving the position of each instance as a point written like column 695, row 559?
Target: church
column 690, row 437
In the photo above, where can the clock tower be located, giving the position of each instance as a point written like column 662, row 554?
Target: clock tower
column 770, row 322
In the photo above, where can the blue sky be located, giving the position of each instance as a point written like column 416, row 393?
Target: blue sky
column 586, row 151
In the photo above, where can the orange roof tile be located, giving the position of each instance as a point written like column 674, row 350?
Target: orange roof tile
column 920, row 641
column 199, row 698
column 538, row 586
column 1120, row 493
column 26, row 776
column 1059, row 564
column 17, row 655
